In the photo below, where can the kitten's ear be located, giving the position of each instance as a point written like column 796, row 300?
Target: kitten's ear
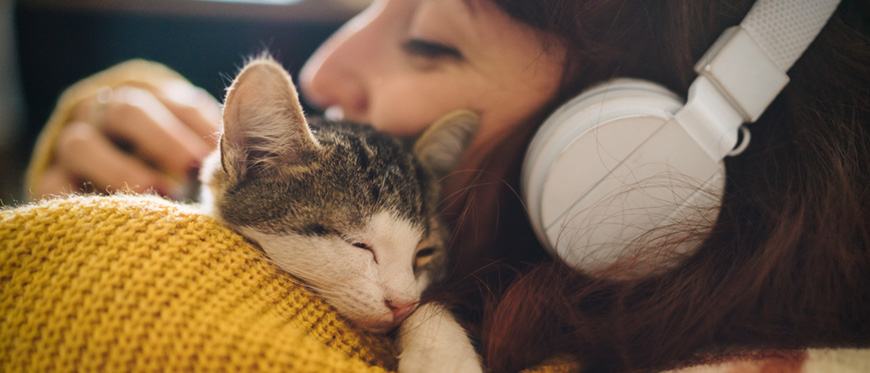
column 442, row 143
column 263, row 124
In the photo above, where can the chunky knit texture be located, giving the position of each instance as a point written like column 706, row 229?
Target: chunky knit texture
column 130, row 283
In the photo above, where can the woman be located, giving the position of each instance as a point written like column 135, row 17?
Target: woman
column 785, row 265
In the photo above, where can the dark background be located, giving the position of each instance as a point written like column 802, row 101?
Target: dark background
column 58, row 46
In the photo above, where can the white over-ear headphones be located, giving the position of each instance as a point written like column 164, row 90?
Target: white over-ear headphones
column 627, row 163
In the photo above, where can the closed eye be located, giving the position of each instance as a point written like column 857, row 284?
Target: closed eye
column 423, row 257
column 425, row 252
column 430, row 50
column 366, row 247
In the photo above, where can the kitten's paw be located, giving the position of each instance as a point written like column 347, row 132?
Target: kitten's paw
column 431, row 341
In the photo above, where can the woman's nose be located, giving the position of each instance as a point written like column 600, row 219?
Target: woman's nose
column 339, row 72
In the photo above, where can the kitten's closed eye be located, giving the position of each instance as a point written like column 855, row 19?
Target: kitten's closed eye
column 321, row 230
column 426, row 252
column 362, row 246
column 365, row 247
column 423, row 257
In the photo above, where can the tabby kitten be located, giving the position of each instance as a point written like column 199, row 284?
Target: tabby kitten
column 346, row 209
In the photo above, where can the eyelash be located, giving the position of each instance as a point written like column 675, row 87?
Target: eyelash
column 430, row 50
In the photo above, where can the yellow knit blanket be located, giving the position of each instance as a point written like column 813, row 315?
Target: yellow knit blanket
column 135, row 283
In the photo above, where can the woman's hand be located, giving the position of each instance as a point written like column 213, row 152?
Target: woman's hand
column 134, row 137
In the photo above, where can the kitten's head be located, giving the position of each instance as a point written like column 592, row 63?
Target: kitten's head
column 346, row 209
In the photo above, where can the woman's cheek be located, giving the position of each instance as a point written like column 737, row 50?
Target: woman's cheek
column 407, row 109
column 401, row 122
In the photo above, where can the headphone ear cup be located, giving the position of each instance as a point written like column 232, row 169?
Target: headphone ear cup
column 609, row 171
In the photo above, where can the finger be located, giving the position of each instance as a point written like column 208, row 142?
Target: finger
column 55, row 181
column 154, row 131
column 86, row 153
column 193, row 106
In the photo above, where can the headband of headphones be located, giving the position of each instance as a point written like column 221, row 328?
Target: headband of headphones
column 745, row 69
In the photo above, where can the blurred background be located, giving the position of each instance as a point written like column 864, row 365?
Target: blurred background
column 47, row 45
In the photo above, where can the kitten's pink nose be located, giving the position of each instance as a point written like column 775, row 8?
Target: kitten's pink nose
column 400, row 310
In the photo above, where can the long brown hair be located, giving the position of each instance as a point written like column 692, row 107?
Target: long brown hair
column 787, row 263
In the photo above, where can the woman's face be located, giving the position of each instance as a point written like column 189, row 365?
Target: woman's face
column 401, row 64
